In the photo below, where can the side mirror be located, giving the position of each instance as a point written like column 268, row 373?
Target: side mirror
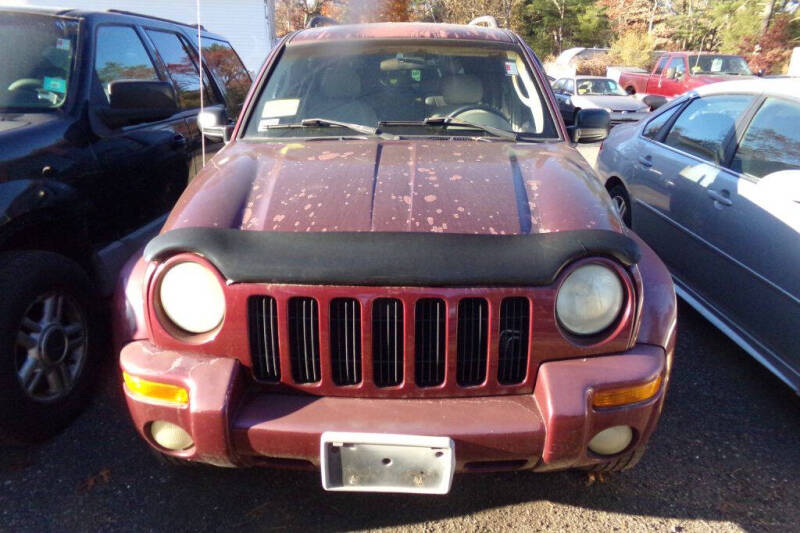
column 213, row 124
column 591, row 125
column 783, row 184
column 654, row 101
column 136, row 101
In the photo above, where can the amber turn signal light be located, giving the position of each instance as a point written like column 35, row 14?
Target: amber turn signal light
column 152, row 390
column 626, row 395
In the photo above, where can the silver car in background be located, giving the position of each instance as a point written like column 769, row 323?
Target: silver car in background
column 712, row 183
column 595, row 92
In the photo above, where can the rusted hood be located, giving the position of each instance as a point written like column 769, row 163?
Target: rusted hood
column 414, row 186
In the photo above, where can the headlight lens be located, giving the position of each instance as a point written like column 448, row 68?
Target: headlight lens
column 192, row 298
column 589, row 300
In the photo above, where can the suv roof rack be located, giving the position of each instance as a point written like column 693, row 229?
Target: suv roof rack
column 123, row 12
column 320, row 20
column 486, row 20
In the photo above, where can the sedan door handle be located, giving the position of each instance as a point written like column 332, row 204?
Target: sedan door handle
column 646, row 161
column 722, row 198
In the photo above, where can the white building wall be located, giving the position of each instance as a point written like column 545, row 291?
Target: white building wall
column 243, row 22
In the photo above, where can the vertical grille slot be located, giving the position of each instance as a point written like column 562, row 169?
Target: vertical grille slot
column 387, row 342
column 513, row 342
column 263, row 318
column 304, row 339
column 473, row 314
column 429, row 342
column 345, row 317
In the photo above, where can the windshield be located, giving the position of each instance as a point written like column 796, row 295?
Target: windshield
column 714, row 64
column 602, row 86
column 36, row 62
column 400, row 88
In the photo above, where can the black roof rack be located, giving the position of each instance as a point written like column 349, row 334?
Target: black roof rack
column 123, row 12
column 321, row 20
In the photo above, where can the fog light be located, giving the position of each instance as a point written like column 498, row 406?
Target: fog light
column 170, row 436
column 612, row 440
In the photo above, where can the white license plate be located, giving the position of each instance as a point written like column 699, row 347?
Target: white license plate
column 379, row 462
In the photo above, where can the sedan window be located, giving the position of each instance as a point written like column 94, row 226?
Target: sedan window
column 772, row 142
column 655, row 127
column 707, row 127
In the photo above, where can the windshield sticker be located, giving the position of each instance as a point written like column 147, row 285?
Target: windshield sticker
column 511, row 69
column 716, row 65
column 265, row 123
column 286, row 107
column 64, row 44
column 416, row 74
column 56, row 85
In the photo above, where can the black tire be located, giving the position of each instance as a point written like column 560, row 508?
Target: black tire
column 26, row 276
column 626, row 461
column 622, row 202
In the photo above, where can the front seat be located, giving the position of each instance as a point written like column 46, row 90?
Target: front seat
column 465, row 90
column 340, row 99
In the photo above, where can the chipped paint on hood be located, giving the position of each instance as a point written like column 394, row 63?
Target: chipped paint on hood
column 409, row 186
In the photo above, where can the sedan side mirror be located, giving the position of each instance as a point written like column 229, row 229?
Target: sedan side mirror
column 213, row 124
column 591, row 125
column 137, row 101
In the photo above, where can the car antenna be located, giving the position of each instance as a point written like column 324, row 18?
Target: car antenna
column 200, row 73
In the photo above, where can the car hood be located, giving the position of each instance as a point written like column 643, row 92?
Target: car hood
column 398, row 186
column 617, row 103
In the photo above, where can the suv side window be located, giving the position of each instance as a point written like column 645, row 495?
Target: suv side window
column 181, row 68
column 220, row 57
column 557, row 86
column 654, row 128
column 772, row 141
column 707, row 127
column 660, row 65
column 121, row 55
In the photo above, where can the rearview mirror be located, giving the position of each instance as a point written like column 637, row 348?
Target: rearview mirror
column 591, row 125
column 213, row 124
column 136, row 101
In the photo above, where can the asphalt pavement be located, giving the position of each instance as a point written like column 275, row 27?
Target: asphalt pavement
column 725, row 457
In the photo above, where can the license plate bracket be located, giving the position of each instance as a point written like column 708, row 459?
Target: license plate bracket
column 382, row 462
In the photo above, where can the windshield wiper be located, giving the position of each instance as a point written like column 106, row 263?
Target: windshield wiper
column 450, row 121
column 360, row 128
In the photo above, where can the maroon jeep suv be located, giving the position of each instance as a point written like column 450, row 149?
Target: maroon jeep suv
column 398, row 268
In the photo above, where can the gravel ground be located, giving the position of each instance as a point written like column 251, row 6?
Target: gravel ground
column 724, row 458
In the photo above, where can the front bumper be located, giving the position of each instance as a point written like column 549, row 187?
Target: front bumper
column 235, row 424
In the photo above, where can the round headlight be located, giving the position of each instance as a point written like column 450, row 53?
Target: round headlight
column 192, row 298
column 589, row 300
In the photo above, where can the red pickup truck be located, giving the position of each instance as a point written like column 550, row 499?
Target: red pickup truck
column 678, row 72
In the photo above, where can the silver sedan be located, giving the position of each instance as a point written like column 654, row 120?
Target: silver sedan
column 595, row 92
column 712, row 182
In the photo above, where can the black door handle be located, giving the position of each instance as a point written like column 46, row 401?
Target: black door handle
column 723, row 198
column 646, row 161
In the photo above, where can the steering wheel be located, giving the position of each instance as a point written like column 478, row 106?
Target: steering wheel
column 505, row 124
column 25, row 83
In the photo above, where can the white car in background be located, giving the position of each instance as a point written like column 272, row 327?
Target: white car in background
column 596, row 92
